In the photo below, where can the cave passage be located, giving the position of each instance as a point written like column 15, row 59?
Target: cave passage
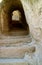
column 14, row 19
column 16, row 25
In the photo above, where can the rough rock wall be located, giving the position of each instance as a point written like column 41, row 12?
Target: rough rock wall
column 33, row 12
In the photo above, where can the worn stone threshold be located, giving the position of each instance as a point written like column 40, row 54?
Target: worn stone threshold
column 16, row 52
column 13, row 62
column 8, row 41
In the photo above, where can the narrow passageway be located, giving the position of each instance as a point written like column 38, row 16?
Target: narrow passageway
column 16, row 25
column 14, row 20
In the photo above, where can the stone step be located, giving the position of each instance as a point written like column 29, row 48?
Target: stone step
column 8, row 41
column 16, row 52
column 18, row 32
column 13, row 62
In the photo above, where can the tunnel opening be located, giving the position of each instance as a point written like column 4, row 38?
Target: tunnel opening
column 14, row 20
column 14, row 24
column 18, row 25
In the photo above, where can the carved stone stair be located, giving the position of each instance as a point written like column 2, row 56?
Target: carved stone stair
column 13, row 62
column 13, row 52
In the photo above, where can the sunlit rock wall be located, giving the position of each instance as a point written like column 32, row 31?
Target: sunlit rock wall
column 33, row 12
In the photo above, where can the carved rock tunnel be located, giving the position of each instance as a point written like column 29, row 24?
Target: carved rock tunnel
column 10, row 26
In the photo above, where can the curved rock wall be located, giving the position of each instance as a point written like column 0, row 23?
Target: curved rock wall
column 33, row 13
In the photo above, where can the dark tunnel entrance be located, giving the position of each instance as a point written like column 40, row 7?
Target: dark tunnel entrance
column 15, row 18
column 17, row 21
column 17, row 24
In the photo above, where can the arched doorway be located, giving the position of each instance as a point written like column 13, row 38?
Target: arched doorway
column 10, row 26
